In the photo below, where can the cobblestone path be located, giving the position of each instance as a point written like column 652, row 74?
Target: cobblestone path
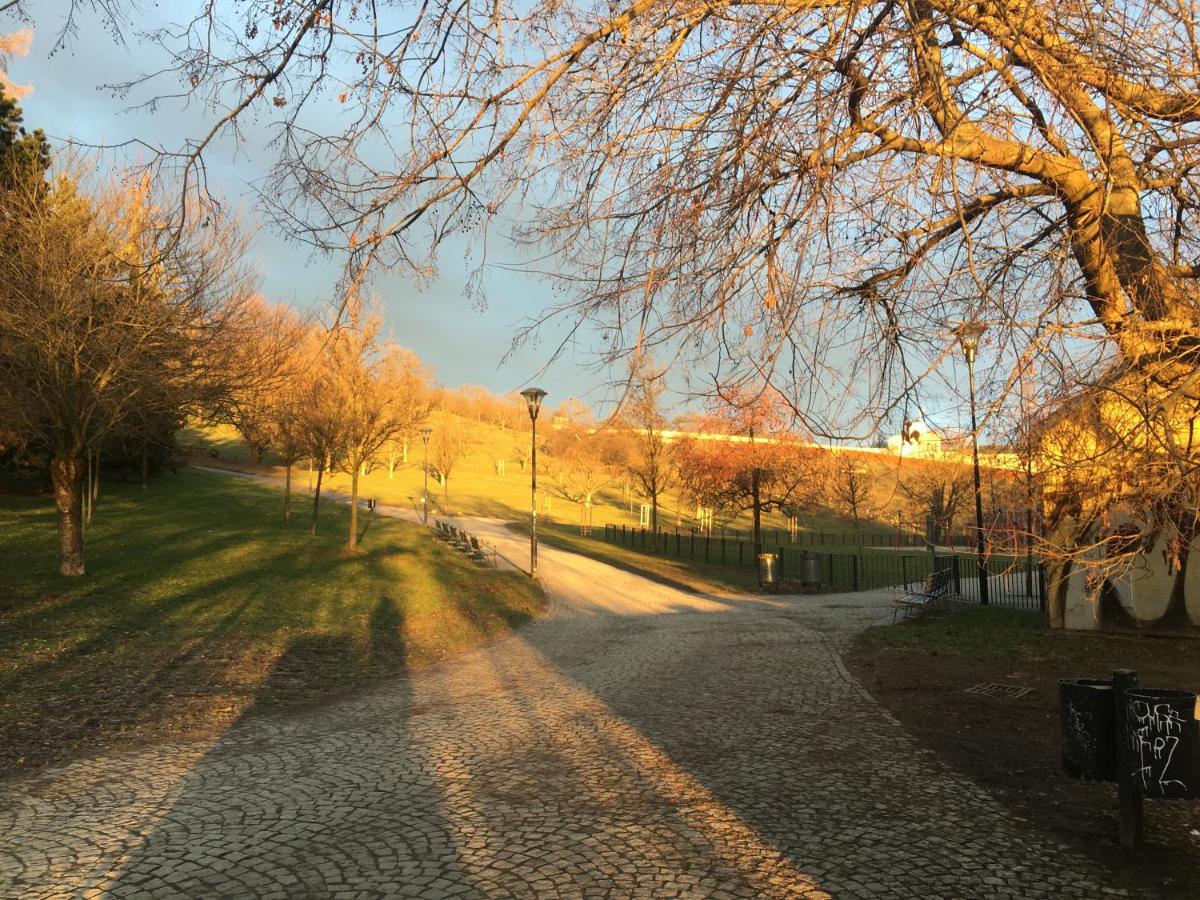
column 638, row 741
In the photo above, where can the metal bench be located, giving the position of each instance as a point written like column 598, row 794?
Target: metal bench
column 480, row 552
column 937, row 586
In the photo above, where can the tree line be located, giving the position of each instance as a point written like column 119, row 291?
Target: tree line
column 122, row 318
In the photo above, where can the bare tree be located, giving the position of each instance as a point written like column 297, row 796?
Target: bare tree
column 849, row 488
column 104, row 326
column 264, row 358
column 409, row 381
column 287, row 415
column 651, row 460
column 799, row 191
column 452, row 438
column 938, row 488
column 581, row 465
column 320, row 420
column 373, row 394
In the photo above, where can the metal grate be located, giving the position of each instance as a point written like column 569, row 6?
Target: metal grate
column 996, row 689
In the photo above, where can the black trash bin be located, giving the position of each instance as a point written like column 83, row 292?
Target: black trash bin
column 1089, row 746
column 768, row 569
column 1162, row 743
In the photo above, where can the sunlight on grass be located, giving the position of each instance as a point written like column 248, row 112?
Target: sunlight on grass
column 202, row 603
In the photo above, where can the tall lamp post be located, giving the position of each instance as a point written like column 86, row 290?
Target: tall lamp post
column 425, row 431
column 533, row 399
column 968, row 336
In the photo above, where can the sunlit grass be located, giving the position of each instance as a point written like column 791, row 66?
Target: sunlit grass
column 476, row 489
column 201, row 603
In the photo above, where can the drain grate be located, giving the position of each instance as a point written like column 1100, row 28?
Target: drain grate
column 996, row 689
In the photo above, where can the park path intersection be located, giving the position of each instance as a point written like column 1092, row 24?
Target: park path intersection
column 638, row 741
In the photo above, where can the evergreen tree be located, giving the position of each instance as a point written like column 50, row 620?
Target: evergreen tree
column 20, row 150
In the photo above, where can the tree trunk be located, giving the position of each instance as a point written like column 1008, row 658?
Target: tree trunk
column 352, row 544
column 312, row 529
column 757, row 503
column 256, row 451
column 145, row 463
column 287, row 494
column 95, row 494
column 87, row 490
column 66, row 471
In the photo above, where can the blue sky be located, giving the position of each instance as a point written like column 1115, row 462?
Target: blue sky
column 463, row 342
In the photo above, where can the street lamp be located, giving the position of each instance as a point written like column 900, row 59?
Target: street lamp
column 968, row 336
column 533, row 399
column 425, row 431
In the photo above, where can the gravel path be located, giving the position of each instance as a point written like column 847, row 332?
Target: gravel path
column 637, row 741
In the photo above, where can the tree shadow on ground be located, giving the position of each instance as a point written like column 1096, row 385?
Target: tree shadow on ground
column 303, row 787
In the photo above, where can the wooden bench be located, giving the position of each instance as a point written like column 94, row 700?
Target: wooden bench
column 936, row 587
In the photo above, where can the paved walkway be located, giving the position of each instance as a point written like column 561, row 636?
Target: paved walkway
column 638, row 741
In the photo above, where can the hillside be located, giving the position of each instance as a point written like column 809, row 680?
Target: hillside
column 489, row 481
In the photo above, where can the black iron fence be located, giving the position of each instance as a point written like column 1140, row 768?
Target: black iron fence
column 808, row 538
column 1012, row 580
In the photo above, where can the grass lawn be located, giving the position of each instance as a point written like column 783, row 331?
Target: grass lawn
column 920, row 671
column 203, row 606
column 475, row 488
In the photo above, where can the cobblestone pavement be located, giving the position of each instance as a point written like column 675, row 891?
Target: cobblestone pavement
column 638, row 741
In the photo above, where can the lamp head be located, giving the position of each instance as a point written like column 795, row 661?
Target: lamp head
column 533, row 399
column 969, row 334
column 425, row 431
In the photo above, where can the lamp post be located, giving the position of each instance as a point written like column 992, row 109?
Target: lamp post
column 968, row 336
column 533, row 399
column 425, row 431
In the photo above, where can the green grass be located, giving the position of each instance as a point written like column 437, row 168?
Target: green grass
column 201, row 606
column 970, row 632
column 1020, row 638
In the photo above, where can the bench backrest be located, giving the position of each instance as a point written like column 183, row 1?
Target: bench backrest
column 939, row 582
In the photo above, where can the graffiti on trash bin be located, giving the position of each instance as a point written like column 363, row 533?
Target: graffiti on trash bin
column 1156, row 731
column 1080, row 724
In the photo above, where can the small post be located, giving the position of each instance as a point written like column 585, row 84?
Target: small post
column 1129, row 802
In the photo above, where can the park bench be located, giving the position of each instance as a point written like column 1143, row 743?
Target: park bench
column 480, row 552
column 937, row 587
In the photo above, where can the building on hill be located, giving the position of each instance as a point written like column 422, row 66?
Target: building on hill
column 916, row 439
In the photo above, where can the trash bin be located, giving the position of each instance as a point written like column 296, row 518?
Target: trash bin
column 810, row 571
column 1089, row 747
column 768, row 569
column 1162, row 743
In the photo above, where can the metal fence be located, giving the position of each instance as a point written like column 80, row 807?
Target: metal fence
column 1014, row 581
column 807, row 538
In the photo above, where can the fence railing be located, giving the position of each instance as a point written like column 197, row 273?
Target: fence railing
column 1014, row 581
column 804, row 537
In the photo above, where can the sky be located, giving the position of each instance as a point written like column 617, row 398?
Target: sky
column 464, row 343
